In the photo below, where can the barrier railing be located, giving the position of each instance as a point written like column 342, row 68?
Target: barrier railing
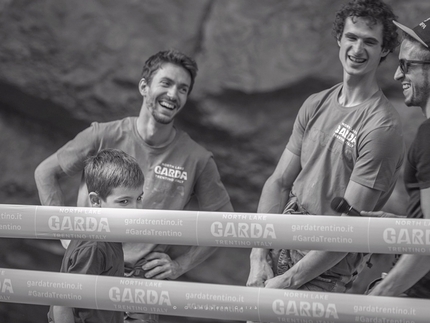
column 246, row 230
column 205, row 300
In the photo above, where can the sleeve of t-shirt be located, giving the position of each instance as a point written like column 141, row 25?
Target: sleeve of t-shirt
column 89, row 260
column 422, row 152
column 72, row 155
column 295, row 142
column 209, row 190
column 380, row 157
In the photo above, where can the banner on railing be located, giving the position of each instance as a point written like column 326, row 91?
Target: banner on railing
column 205, row 300
column 220, row 229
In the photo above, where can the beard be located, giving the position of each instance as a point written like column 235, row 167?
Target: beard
column 157, row 115
column 420, row 96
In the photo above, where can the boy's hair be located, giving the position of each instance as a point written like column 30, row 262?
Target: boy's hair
column 374, row 11
column 154, row 63
column 109, row 169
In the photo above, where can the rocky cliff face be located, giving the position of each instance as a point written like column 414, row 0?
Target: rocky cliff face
column 64, row 64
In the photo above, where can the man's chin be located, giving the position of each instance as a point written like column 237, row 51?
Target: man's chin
column 163, row 119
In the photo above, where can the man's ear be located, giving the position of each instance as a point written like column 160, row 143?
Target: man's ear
column 95, row 199
column 143, row 86
column 385, row 52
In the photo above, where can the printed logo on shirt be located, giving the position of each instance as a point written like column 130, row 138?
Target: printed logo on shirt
column 171, row 173
column 346, row 134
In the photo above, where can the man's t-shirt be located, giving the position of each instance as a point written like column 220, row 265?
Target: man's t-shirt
column 178, row 176
column 338, row 144
column 417, row 177
column 94, row 258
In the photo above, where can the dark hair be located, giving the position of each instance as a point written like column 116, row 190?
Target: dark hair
column 154, row 63
column 109, row 169
column 375, row 11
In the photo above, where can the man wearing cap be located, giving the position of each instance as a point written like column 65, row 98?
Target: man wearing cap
column 346, row 141
column 411, row 274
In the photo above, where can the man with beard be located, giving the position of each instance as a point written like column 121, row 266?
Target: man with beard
column 411, row 274
column 346, row 141
column 177, row 170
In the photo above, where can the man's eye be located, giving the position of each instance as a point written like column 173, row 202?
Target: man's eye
column 140, row 198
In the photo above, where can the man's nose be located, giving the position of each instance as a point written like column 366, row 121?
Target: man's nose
column 358, row 46
column 398, row 75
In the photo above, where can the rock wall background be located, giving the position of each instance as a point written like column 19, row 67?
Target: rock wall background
column 65, row 63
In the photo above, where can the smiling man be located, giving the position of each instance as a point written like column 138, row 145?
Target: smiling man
column 411, row 274
column 178, row 172
column 346, row 141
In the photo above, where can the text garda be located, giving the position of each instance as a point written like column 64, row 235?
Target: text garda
column 243, row 230
column 78, row 223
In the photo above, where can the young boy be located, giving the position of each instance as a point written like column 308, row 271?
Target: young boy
column 114, row 180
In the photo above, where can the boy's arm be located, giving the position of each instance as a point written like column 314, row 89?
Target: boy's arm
column 63, row 314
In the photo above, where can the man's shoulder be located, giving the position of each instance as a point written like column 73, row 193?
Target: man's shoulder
column 323, row 95
column 192, row 147
column 383, row 112
column 127, row 122
column 113, row 129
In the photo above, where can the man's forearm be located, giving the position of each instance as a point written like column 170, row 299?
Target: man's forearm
column 63, row 314
column 47, row 176
column 273, row 197
column 313, row 264
column 193, row 257
column 407, row 271
column 258, row 254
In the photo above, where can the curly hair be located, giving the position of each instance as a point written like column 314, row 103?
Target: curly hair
column 173, row 56
column 374, row 11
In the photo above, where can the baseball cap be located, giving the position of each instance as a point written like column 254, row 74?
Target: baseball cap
column 421, row 32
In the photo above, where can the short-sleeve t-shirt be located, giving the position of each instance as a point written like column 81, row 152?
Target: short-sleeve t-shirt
column 338, row 144
column 417, row 177
column 178, row 176
column 94, row 258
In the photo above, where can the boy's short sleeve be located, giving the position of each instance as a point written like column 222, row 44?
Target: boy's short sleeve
column 88, row 260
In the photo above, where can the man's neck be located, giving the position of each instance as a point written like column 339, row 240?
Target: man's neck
column 153, row 133
column 357, row 90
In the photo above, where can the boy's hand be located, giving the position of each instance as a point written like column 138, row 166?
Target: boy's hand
column 160, row 266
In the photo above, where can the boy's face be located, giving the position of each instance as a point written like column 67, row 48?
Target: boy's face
column 120, row 197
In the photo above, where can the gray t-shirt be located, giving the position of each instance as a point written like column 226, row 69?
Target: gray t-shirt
column 338, row 144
